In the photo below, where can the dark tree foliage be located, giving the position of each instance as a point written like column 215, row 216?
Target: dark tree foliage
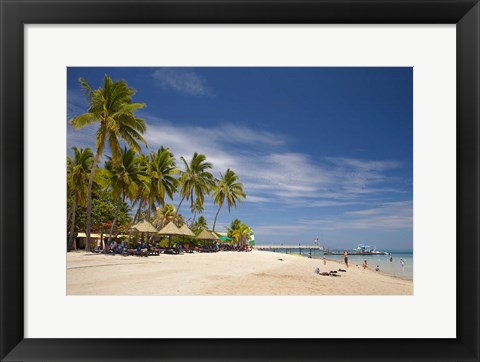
column 103, row 211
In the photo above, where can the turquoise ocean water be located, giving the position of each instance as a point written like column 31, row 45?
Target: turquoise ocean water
column 383, row 261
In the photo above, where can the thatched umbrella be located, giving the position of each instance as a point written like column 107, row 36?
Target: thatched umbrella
column 186, row 231
column 207, row 235
column 169, row 230
column 144, row 227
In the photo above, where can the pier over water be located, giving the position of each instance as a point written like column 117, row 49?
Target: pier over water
column 288, row 248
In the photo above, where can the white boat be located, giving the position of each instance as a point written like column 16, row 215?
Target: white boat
column 368, row 250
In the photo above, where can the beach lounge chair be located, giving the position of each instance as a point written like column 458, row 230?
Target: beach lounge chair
column 153, row 252
column 141, row 252
column 172, row 251
column 131, row 252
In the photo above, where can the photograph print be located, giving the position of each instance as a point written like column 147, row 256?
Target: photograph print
column 246, row 181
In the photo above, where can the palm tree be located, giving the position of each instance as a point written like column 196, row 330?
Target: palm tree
column 164, row 215
column 199, row 225
column 197, row 207
column 227, row 187
column 196, row 180
column 78, row 171
column 142, row 195
column 242, row 234
column 234, row 225
column 112, row 107
column 160, row 170
column 123, row 180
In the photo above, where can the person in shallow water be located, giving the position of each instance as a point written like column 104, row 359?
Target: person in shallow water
column 345, row 257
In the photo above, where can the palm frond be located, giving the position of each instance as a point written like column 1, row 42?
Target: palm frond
column 83, row 120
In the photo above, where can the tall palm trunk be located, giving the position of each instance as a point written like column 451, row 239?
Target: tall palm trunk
column 89, row 201
column 69, row 216
column 152, row 208
column 178, row 208
column 215, row 221
column 72, row 228
column 147, row 216
column 137, row 215
column 119, row 203
column 135, row 219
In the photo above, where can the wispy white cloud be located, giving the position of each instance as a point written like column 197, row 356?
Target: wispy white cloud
column 259, row 199
column 364, row 165
column 270, row 173
column 85, row 137
column 392, row 216
column 76, row 103
column 387, row 216
column 81, row 138
column 282, row 229
column 181, row 80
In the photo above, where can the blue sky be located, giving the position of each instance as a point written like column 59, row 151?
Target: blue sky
column 322, row 152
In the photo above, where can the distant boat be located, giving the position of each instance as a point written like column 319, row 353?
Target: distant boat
column 365, row 249
column 361, row 249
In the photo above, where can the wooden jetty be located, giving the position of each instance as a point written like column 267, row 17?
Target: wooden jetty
column 289, row 247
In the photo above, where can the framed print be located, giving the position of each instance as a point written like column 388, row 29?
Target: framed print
column 244, row 181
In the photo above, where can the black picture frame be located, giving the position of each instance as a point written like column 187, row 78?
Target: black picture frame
column 15, row 14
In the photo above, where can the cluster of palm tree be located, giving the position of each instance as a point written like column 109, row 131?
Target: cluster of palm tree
column 239, row 232
column 78, row 173
column 145, row 181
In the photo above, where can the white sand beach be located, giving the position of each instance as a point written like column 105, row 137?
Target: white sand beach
column 259, row 273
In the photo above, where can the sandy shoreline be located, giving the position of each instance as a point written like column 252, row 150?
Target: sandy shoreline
column 258, row 273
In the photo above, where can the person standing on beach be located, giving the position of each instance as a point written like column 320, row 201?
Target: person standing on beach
column 345, row 257
column 391, row 259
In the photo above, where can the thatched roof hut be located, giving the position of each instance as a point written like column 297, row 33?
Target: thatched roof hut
column 207, row 235
column 186, row 231
column 170, row 229
column 144, row 227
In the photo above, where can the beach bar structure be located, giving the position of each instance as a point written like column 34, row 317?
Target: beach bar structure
column 81, row 240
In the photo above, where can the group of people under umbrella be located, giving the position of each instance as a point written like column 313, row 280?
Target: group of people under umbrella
column 172, row 230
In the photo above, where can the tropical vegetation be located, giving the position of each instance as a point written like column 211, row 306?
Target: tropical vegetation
column 110, row 106
column 78, row 173
column 227, row 187
column 132, row 186
column 240, row 233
